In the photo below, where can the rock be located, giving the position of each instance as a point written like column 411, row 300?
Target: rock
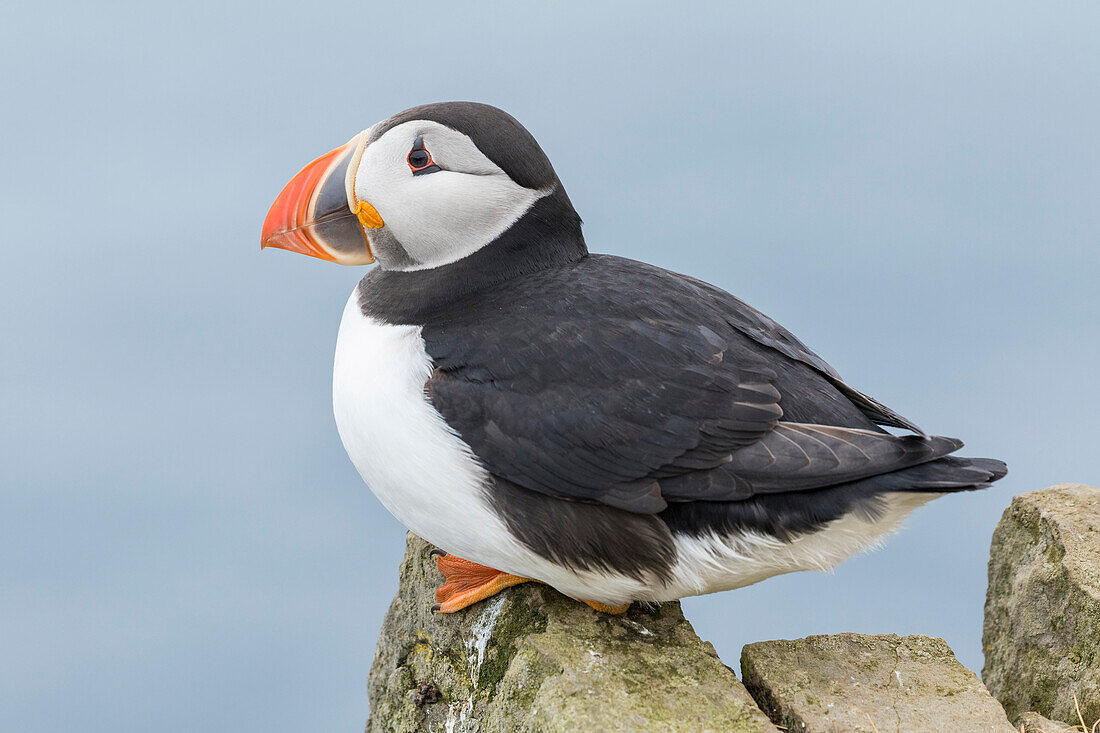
column 863, row 683
column 1035, row 723
column 530, row 659
column 1042, row 609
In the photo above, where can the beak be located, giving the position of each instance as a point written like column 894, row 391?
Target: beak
column 313, row 214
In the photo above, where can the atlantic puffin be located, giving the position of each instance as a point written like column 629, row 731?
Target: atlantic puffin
column 618, row 431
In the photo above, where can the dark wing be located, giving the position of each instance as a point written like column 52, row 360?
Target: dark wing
column 626, row 385
column 600, row 410
column 767, row 332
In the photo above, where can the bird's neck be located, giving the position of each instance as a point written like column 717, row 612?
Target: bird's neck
column 547, row 235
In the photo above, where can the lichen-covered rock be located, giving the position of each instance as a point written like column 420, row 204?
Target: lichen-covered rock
column 1042, row 610
column 1034, row 723
column 862, row 683
column 529, row 659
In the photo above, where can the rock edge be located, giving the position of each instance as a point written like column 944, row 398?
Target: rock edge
column 530, row 659
column 1042, row 613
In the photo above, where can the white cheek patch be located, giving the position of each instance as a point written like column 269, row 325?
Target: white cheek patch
column 454, row 215
column 444, row 216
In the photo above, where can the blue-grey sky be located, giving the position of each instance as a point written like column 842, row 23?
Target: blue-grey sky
column 913, row 189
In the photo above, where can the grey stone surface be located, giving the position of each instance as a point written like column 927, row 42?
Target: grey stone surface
column 1042, row 611
column 861, row 683
column 1034, row 723
column 530, row 659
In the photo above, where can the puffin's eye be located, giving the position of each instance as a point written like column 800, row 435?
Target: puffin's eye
column 420, row 160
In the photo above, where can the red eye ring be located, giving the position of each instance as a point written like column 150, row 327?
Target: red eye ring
column 419, row 159
column 424, row 159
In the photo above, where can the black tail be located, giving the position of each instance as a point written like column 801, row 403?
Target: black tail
column 795, row 512
column 946, row 474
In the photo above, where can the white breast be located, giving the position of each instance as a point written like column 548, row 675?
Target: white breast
column 416, row 465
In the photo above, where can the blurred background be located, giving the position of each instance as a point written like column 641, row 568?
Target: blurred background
column 914, row 190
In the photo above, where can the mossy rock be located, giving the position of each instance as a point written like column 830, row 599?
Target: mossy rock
column 530, row 659
column 863, row 683
column 1042, row 611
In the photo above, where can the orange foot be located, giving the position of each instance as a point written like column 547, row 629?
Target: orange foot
column 604, row 608
column 467, row 582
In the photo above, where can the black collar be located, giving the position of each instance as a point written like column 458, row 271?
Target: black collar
column 548, row 235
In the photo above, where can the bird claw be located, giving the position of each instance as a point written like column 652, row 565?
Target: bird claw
column 466, row 583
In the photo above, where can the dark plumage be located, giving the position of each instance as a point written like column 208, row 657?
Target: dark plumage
column 602, row 380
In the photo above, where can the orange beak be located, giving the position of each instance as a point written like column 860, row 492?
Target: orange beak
column 313, row 214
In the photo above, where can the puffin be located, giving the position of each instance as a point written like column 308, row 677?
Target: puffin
column 537, row 412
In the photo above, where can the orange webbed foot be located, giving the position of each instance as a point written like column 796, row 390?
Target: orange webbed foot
column 466, row 583
column 604, row 608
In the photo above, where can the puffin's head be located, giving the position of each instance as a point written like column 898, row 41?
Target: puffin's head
column 422, row 189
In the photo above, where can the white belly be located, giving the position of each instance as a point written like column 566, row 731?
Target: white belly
column 711, row 564
column 420, row 470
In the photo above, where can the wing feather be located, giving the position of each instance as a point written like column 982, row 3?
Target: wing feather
column 628, row 385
